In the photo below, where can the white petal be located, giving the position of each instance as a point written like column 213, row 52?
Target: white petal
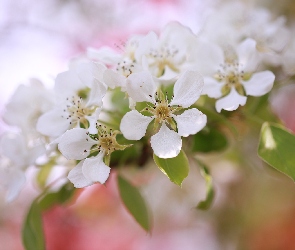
column 141, row 87
column 95, row 170
column 14, row 146
column 98, row 90
column 168, row 77
column 74, row 142
column 212, row 87
column 231, row 101
column 12, row 179
column 166, row 143
column 148, row 42
column 67, row 84
column 260, row 83
column 84, row 72
column 93, row 120
column 104, row 54
column 133, row 125
column 77, row 178
column 113, row 79
column 187, row 89
column 52, row 123
column 206, row 57
column 190, row 122
column 247, row 55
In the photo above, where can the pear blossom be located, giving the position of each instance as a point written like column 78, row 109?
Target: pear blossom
column 165, row 56
column 79, row 94
column 166, row 143
column 229, row 74
column 121, row 64
column 78, row 144
column 16, row 156
column 26, row 105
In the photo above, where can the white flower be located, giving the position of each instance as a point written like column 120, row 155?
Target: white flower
column 166, row 56
column 229, row 74
column 79, row 94
column 17, row 156
column 166, row 143
column 26, row 105
column 12, row 179
column 78, row 144
column 121, row 64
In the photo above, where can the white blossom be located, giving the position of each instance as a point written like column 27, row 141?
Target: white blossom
column 78, row 144
column 26, row 105
column 16, row 156
column 229, row 73
column 79, row 94
column 166, row 143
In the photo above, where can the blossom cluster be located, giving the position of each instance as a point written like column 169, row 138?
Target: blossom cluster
column 163, row 78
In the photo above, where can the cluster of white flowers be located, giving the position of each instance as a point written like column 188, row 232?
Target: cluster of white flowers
column 227, row 60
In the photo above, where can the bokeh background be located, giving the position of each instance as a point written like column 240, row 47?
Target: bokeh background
column 254, row 207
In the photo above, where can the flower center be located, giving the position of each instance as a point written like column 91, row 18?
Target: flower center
column 106, row 140
column 76, row 110
column 163, row 57
column 125, row 68
column 162, row 111
column 231, row 76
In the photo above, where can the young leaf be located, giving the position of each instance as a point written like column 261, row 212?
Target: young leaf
column 134, row 203
column 277, row 148
column 176, row 168
column 209, row 140
column 206, row 204
column 32, row 231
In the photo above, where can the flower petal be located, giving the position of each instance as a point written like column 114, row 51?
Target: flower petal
column 212, row 87
column 260, row 83
column 248, row 55
column 95, row 170
column 206, row 57
column 133, row 125
column 52, row 123
column 77, row 178
column 187, row 89
column 113, row 79
column 75, row 144
column 141, row 87
column 67, row 84
column 231, row 101
column 93, row 121
column 166, row 143
column 190, row 122
column 12, row 179
column 87, row 72
column 98, row 90
column 14, row 146
column 104, row 54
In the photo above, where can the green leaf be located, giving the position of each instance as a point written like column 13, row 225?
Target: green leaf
column 206, row 204
column 32, row 231
column 60, row 197
column 277, row 148
column 134, row 203
column 208, row 140
column 176, row 168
